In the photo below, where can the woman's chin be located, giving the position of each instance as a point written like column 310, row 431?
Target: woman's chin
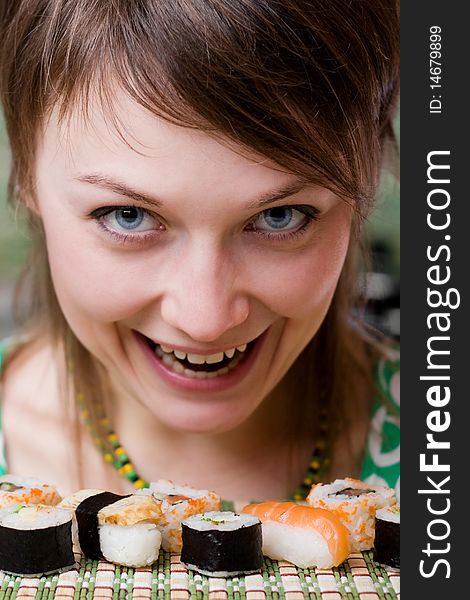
column 204, row 420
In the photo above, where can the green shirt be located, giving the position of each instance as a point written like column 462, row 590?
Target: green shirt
column 381, row 465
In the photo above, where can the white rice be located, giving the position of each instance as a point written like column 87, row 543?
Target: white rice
column 379, row 496
column 34, row 516
column 304, row 548
column 392, row 514
column 19, row 480
column 165, row 487
column 132, row 546
column 220, row 521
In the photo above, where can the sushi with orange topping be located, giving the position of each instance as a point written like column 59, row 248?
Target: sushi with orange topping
column 355, row 502
column 15, row 489
column 178, row 502
column 302, row 535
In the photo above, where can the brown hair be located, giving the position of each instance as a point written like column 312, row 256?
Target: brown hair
column 311, row 85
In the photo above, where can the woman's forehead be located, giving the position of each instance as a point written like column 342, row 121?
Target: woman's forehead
column 131, row 138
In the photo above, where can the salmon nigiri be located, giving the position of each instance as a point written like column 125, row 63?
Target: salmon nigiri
column 302, row 535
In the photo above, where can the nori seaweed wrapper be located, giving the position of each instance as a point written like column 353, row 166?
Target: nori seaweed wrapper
column 387, row 543
column 87, row 521
column 36, row 551
column 235, row 551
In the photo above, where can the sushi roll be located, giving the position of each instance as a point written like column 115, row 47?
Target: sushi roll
column 387, row 536
column 179, row 502
column 15, row 489
column 355, row 503
column 35, row 539
column 222, row 544
column 120, row 529
column 302, row 535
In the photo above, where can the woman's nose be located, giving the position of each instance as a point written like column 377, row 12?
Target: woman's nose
column 204, row 297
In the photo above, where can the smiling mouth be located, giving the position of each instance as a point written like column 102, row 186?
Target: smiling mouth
column 200, row 366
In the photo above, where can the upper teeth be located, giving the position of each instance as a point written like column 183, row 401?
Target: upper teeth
column 200, row 359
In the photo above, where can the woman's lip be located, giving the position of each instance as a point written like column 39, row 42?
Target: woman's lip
column 214, row 384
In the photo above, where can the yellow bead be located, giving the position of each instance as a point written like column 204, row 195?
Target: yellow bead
column 121, row 471
column 120, row 451
column 139, row 484
column 112, row 437
column 127, row 468
column 108, row 457
column 315, row 464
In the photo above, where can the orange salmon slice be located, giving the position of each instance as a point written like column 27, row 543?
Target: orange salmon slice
column 324, row 522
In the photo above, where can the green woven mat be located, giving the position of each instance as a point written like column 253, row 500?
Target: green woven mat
column 357, row 578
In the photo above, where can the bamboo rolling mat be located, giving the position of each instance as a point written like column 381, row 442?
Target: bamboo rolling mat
column 358, row 578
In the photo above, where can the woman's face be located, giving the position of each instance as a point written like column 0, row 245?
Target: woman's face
column 195, row 273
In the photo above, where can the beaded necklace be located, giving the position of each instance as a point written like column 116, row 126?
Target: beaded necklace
column 115, row 454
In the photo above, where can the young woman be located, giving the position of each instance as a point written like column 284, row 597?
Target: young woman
column 196, row 174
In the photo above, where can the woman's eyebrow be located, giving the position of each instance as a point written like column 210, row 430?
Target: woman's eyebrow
column 118, row 187
column 284, row 192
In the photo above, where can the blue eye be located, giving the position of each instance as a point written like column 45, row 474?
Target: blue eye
column 126, row 219
column 283, row 219
column 129, row 217
column 278, row 218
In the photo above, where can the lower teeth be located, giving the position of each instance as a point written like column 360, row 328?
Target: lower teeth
column 177, row 367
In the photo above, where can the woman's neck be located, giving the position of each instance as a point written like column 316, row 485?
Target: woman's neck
column 260, row 458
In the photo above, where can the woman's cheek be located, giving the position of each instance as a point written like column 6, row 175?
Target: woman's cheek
column 293, row 283
column 295, row 286
column 94, row 283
